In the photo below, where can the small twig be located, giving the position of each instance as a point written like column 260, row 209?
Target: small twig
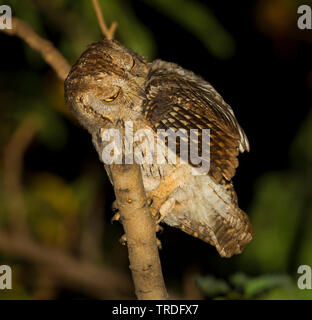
column 139, row 226
column 107, row 32
column 49, row 53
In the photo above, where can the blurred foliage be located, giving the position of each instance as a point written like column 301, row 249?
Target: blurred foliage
column 285, row 197
column 281, row 214
column 199, row 21
column 243, row 287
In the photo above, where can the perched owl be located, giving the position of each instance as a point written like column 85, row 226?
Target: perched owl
column 110, row 85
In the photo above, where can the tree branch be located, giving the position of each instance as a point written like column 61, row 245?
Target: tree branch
column 96, row 281
column 139, row 226
column 137, row 221
column 49, row 53
column 13, row 157
column 107, row 32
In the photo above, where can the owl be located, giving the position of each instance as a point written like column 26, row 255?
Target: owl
column 111, row 85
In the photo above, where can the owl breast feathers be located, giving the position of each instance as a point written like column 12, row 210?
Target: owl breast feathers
column 162, row 95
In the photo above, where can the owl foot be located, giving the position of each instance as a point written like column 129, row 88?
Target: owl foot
column 152, row 210
column 165, row 208
column 123, row 241
column 155, row 213
column 159, row 228
column 159, row 245
column 116, row 216
column 115, row 206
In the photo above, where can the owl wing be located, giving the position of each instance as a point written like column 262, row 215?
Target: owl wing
column 177, row 98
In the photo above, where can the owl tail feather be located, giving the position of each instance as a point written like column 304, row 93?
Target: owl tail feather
column 229, row 235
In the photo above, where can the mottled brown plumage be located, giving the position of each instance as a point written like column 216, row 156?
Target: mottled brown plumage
column 110, row 85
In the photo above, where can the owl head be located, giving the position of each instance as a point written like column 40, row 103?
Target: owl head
column 106, row 84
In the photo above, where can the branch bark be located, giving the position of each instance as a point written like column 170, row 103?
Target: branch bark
column 139, row 226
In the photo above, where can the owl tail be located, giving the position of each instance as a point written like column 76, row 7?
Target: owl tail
column 228, row 234
column 231, row 234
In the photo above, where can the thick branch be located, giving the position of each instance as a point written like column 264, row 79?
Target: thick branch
column 49, row 53
column 139, row 226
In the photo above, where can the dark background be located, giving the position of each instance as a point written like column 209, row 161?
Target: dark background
column 262, row 68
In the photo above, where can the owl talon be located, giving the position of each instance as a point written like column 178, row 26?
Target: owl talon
column 159, row 245
column 155, row 213
column 149, row 201
column 159, row 218
column 159, row 228
column 115, row 208
column 123, row 239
